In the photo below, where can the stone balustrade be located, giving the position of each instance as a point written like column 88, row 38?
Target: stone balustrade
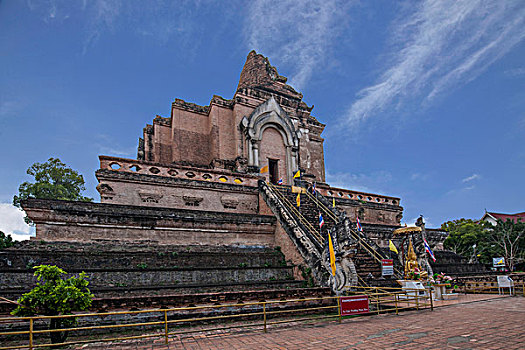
column 359, row 196
column 181, row 172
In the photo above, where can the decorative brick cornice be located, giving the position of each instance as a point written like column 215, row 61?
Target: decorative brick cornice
column 191, row 107
column 135, row 213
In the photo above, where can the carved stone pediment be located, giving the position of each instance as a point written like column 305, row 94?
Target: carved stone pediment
column 192, row 201
column 149, row 197
column 229, row 202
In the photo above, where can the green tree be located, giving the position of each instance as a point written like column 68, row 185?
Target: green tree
column 508, row 240
column 54, row 296
column 482, row 241
column 52, row 180
column 6, row 241
column 466, row 238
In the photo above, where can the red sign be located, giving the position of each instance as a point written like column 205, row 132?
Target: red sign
column 356, row 304
column 387, row 267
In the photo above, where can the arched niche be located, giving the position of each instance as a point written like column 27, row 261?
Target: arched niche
column 270, row 115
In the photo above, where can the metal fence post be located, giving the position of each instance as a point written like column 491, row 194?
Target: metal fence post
column 395, row 302
column 417, row 299
column 264, row 315
column 166, row 325
column 431, row 299
column 31, row 334
column 377, row 300
column 339, row 308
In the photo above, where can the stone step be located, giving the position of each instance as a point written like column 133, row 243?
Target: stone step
column 139, row 278
column 159, row 259
column 216, row 298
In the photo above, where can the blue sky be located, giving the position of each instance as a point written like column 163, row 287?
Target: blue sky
column 424, row 100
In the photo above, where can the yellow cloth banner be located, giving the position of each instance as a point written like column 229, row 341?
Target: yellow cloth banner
column 333, row 202
column 332, row 254
column 392, row 247
column 297, row 174
column 298, row 199
column 264, row 169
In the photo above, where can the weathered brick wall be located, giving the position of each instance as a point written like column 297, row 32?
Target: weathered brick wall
column 79, row 221
column 290, row 251
column 118, row 255
column 162, row 139
column 133, row 268
column 371, row 213
column 24, row 280
column 180, row 194
column 191, row 135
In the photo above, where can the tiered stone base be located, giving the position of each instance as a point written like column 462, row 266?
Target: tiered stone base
column 132, row 275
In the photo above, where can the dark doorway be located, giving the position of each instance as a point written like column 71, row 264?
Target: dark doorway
column 273, row 169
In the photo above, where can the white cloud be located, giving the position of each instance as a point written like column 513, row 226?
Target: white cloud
column 439, row 46
column 107, row 145
column 418, row 176
column 12, row 222
column 471, row 177
column 103, row 15
column 373, row 182
column 298, row 34
column 8, row 108
column 516, row 72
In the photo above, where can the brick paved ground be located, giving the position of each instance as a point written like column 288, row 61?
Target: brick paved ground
column 489, row 324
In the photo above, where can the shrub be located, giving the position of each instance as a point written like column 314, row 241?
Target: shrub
column 55, row 296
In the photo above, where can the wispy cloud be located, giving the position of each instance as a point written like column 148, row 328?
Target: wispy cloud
column 102, row 18
column 471, row 178
column 516, row 72
column 440, row 45
column 468, row 184
column 107, row 145
column 8, row 108
column 296, row 34
column 162, row 21
column 374, row 182
column 419, row 176
column 51, row 10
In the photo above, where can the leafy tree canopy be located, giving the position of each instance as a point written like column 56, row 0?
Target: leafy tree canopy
column 52, row 180
column 482, row 241
column 6, row 241
column 55, row 296
column 464, row 234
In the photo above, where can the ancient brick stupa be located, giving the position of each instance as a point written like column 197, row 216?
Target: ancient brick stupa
column 205, row 161
column 197, row 181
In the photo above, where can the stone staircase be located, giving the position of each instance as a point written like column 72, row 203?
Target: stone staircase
column 365, row 254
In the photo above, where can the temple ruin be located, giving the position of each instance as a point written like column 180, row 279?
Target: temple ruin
column 216, row 184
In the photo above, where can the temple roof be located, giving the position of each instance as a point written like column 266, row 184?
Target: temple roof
column 504, row 217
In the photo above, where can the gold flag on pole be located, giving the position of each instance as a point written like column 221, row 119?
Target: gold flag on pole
column 392, row 247
column 332, row 254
